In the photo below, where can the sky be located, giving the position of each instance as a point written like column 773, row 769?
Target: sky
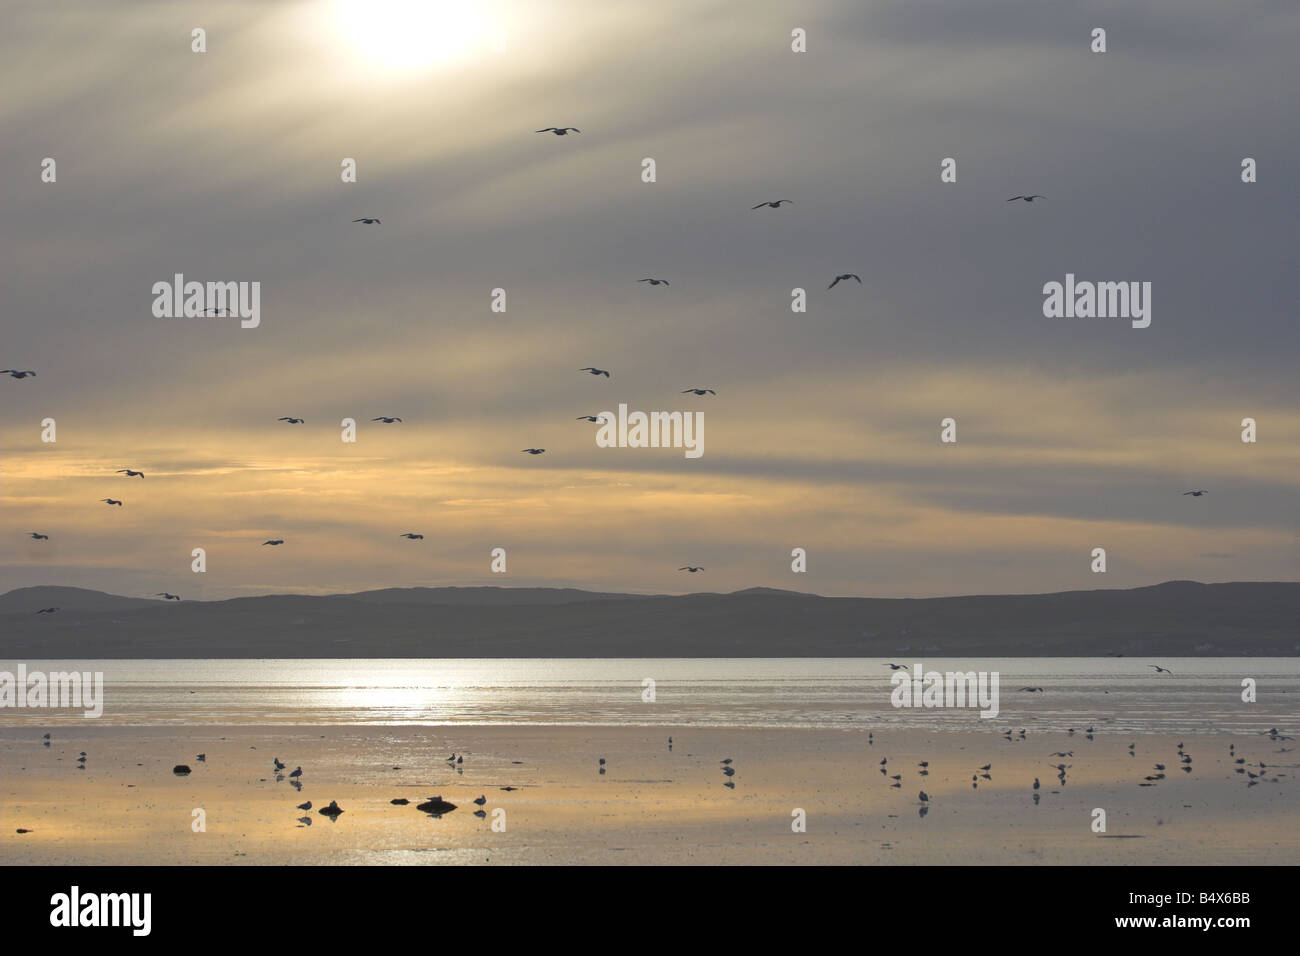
column 824, row 433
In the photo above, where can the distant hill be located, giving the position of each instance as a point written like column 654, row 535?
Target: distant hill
column 1179, row 618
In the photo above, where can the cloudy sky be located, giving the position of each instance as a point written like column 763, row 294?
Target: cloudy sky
column 225, row 165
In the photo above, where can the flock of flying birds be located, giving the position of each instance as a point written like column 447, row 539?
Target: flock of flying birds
column 591, row 370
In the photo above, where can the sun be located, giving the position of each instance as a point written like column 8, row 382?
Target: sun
column 409, row 35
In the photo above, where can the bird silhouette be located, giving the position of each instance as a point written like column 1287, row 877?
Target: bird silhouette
column 655, row 281
column 17, row 373
column 775, row 205
column 385, row 420
column 1027, row 198
column 699, row 391
column 36, row 535
column 412, row 535
column 130, row 473
column 291, row 421
column 111, row 501
column 273, row 542
column 843, row 278
column 368, row 221
column 559, row 130
column 167, row 597
column 533, row 451
column 595, row 371
column 1195, row 494
column 591, row 418
column 690, row 569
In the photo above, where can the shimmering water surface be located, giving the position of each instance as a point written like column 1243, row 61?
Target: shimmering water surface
column 1201, row 695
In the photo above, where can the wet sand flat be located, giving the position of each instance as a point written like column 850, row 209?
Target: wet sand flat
column 651, row 805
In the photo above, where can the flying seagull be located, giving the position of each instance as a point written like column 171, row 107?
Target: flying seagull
column 47, row 610
column 111, row 501
column 774, row 205
column 655, row 281
column 1026, row 198
column 559, row 130
column 40, row 537
column 216, row 311
column 386, row 421
column 533, row 451
column 1160, row 670
column 843, row 278
column 1196, row 494
column 412, row 535
column 129, row 473
column 1032, row 689
column 595, row 371
column 167, row 597
column 273, row 541
column 16, row 373
column 590, row 418
column 690, row 569
column 699, row 391
column 369, row 222
column 291, row 421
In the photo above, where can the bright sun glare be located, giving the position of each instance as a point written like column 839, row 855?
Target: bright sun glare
column 413, row 34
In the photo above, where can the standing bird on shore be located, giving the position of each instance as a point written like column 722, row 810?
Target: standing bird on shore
column 277, row 764
column 296, row 774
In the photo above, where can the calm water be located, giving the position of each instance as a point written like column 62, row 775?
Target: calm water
column 1202, row 694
